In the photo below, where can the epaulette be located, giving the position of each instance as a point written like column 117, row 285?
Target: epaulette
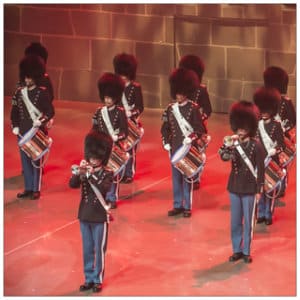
column 203, row 85
column 121, row 108
column 286, row 98
column 46, row 75
column 43, row 88
column 194, row 104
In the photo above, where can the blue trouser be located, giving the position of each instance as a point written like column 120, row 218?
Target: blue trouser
column 242, row 216
column 113, row 194
column 32, row 175
column 131, row 163
column 94, row 242
column 264, row 207
column 182, row 190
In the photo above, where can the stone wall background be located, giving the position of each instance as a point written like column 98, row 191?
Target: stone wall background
column 236, row 41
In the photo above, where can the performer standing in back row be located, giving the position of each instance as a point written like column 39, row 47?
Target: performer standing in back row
column 275, row 77
column 31, row 107
column 271, row 136
column 246, row 179
column 125, row 65
column 200, row 96
column 181, row 125
column 111, row 119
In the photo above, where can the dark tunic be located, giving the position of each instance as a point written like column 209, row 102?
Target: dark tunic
column 201, row 97
column 134, row 96
column 90, row 209
column 170, row 130
column 241, row 180
column 117, row 118
column 19, row 114
column 287, row 112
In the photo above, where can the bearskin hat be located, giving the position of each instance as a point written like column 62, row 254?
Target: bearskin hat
column 193, row 62
column 267, row 100
column 276, row 77
column 36, row 48
column 32, row 66
column 183, row 81
column 244, row 115
column 125, row 65
column 97, row 145
column 111, row 85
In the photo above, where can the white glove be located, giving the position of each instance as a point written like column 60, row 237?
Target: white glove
column 167, row 147
column 37, row 123
column 187, row 140
column 114, row 137
column 83, row 163
column 272, row 152
column 16, row 130
column 128, row 113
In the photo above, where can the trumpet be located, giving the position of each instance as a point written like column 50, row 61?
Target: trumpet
column 229, row 140
column 81, row 169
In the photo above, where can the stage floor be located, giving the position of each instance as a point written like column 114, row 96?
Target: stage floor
column 149, row 253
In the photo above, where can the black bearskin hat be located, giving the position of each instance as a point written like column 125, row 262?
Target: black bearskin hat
column 125, row 65
column 277, row 78
column 193, row 62
column 32, row 66
column 36, row 48
column 111, row 85
column 97, row 145
column 267, row 100
column 244, row 115
column 183, row 81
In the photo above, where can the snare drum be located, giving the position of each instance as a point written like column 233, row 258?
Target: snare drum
column 288, row 154
column 117, row 160
column 135, row 133
column 35, row 143
column 274, row 176
column 188, row 160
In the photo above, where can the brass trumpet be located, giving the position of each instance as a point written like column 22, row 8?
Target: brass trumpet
column 229, row 140
column 78, row 170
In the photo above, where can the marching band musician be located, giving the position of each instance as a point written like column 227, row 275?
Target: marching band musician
column 200, row 96
column 111, row 119
column 276, row 77
column 181, row 124
column 245, row 184
column 95, row 180
column 125, row 65
column 272, row 138
column 31, row 107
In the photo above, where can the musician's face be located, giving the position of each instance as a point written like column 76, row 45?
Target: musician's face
column 180, row 98
column 29, row 82
column 265, row 116
column 95, row 162
column 125, row 78
column 108, row 101
column 242, row 133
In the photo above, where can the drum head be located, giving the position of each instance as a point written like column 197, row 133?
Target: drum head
column 28, row 136
column 180, row 153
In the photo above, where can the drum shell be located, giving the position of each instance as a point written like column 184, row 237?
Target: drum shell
column 135, row 133
column 188, row 160
column 288, row 154
column 35, row 143
column 273, row 176
column 117, row 160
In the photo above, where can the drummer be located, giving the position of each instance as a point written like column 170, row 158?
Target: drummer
column 28, row 112
column 111, row 119
column 272, row 138
column 181, row 126
column 125, row 65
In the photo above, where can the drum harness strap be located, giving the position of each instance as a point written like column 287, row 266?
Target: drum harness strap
column 184, row 125
column 32, row 110
column 105, row 116
column 267, row 141
column 101, row 200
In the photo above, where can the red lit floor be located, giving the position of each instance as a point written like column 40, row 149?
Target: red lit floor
column 149, row 253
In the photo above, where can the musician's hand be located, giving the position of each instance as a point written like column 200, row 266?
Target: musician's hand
column 16, row 130
column 187, row 140
column 114, row 137
column 89, row 169
column 272, row 152
column 128, row 113
column 167, row 147
column 257, row 196
column 83, row 163
column 37, row 123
